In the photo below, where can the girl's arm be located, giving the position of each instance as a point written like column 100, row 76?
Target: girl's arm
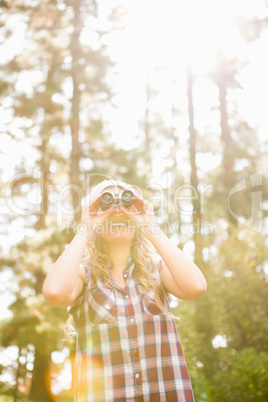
column 180, row 276
column 64, row 281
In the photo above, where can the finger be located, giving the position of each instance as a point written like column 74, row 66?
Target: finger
column 143, row 207
column 136, row 209
column 106, row 213
column 94, row 205
column 140, row 204
column 148, row 206
column 130, row 212
column 133, row 213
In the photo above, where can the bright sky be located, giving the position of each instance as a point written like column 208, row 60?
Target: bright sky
column 172, row 34
column 169, row 34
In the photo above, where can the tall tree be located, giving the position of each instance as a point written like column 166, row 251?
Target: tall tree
column 194, row 178
column 52, row 55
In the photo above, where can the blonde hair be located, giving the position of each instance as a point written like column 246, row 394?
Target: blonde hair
column 143, row 255
column 145, row 258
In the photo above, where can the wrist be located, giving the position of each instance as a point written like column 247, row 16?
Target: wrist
column 84, row 231
column 151, row 231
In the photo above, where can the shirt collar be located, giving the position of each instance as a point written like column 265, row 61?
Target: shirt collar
column 130, row 268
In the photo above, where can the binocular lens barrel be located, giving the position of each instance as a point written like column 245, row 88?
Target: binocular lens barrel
column 107, row 199
column 128, row 197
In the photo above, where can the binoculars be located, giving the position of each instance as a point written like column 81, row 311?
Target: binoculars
column 108, row 199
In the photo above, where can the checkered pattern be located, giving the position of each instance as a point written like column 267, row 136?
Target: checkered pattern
column 127, row 349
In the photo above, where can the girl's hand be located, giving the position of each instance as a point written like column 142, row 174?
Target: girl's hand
column 92, row 214
column 142, row 213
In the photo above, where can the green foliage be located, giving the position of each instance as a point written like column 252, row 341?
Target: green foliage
column 46, row 117
column 5, row 398
column 32, row 324
column 245, row 380
column 234, row 309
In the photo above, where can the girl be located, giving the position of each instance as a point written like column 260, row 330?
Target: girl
column 127, row 347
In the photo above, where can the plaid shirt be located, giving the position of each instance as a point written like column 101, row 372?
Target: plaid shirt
column 126, row 349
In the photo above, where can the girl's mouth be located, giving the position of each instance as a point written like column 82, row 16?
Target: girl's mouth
column 118, row 221
column 117, row 224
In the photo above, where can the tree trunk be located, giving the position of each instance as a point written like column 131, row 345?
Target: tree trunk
column 225, row 130
column 15, row 393
column 75, row 123
column 194, row 179
column 228, row 151
column 45, row 158
column 40, row 387
column 147, row 130
column 44, row 167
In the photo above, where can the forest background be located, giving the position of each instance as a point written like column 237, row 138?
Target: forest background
column 170, row 96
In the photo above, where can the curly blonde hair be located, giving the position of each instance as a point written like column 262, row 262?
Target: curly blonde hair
column 142, row 251
column 143, row 254
column 145, row 258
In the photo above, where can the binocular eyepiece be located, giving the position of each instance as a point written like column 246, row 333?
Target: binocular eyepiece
column 108, row 199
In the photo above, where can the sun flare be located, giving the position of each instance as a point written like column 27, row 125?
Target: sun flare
column 173, row 33
column 160, row 39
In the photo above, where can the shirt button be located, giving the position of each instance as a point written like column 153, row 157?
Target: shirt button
column 127, row 296
column 125, row 275
column 132, row 320
column 137, row 375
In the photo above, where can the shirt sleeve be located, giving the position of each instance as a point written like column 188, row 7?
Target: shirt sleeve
column 75, row 308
